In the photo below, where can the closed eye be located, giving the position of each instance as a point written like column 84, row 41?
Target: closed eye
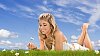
column 45, row 25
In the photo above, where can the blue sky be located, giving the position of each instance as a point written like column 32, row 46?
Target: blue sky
column 19, row 20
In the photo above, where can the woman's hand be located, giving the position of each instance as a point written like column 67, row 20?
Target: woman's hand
column 31, row 46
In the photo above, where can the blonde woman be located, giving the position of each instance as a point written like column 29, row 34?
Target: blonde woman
column 51, row 37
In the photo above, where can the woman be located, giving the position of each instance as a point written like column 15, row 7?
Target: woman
column 50, row 36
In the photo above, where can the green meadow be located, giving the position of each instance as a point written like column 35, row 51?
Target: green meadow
column 47, row 53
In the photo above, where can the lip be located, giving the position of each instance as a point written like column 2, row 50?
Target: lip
column 42, row 31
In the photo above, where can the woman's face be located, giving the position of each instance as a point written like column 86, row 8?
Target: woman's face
column 44, row 27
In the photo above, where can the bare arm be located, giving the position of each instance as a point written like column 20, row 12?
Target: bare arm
column 32, row 46
column 41, row 44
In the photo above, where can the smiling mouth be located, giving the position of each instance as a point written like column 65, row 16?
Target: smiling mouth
column 42, row 31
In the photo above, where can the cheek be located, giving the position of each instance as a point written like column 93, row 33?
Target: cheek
column 40, row 29
column 46, row 29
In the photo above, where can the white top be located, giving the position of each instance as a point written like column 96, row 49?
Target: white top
column 73, row 46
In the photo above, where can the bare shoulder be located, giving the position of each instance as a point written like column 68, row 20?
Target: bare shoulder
column 59, row 35
column 57, row 32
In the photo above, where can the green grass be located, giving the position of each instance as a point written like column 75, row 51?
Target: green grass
column 48, row 53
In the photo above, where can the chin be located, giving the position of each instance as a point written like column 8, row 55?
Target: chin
column 43, row 33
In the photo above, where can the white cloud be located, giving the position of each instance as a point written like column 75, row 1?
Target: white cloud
column 93, row 19
column 73, row 41
column 22, row 10
column 88, row 7
column 93, row 43
column 84, row 9
column 98, row 45
column 73, row 37
column 96, row 15
column 98, row 41
column 93, row 27
column 25, row 8
column 68, row 18
column 12, row 45
column 43, row 8
column 7, row 34
column 3, row 7
column 94, row 11
column 45, row 2
column 29, row 16
column 72, row 20
column 17, row 46
column 4, row 33
column 2, row 42
column 59, row 9
column 89, row 2
column 59, row 15
column 61, row 2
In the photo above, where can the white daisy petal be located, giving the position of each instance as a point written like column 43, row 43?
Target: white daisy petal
column 17, row 54
column 3, row 50
column 96, row 51
column 26, row 52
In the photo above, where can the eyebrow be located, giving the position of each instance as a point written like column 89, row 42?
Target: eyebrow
column 43, row 23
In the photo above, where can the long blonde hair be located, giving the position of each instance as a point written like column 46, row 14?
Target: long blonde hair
column 50, row 19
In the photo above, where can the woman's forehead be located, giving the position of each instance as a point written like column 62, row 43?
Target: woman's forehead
column 43, row 21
